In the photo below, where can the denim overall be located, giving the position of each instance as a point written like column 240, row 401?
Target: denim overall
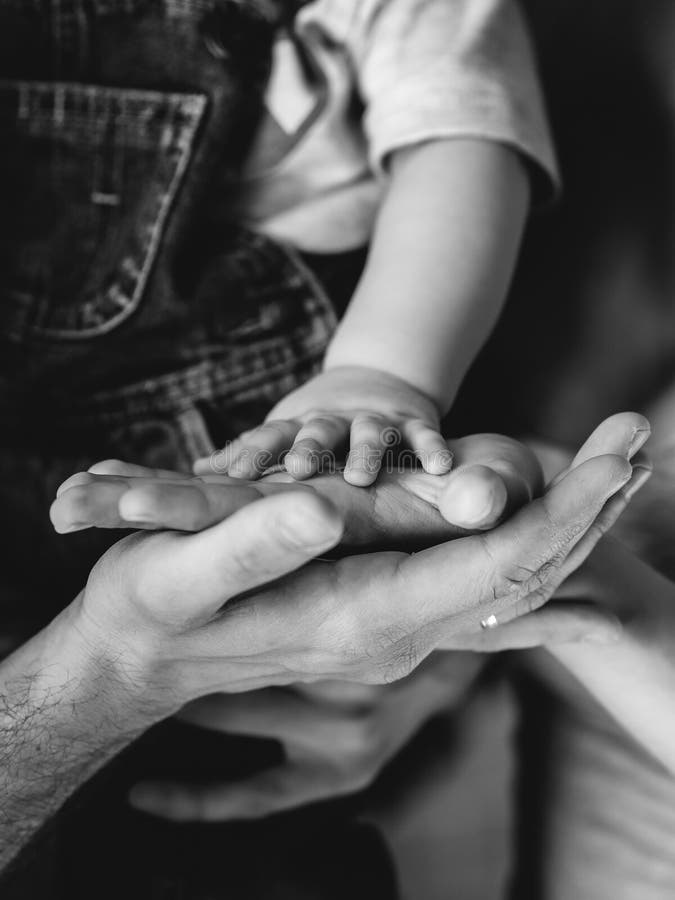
column 138, row 321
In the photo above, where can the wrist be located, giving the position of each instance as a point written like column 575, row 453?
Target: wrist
column 383, row 376
column 124, row 668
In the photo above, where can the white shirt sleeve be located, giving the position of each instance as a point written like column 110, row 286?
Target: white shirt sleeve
column 435, row 69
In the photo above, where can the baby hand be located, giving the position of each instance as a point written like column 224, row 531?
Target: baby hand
column 356, row 409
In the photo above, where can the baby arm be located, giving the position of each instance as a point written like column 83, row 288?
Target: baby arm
column 441, row 259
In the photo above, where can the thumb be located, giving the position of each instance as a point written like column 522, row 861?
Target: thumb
column 193, row 575
column 530, row 548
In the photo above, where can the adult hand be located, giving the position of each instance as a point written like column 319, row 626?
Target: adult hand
column 163, row 601
column 492, row 476
column 573, row 616
column 337, row 738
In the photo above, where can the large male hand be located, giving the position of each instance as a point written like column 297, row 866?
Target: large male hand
column 166, row 600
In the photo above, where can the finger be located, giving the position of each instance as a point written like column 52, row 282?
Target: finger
column 518, row 563
column 256, row 545
column 193, row 506
column 273, row 791
column 369, row 439
column 261, row 448
column 218, row 462
column 86, row 502
column 121, row 472
column 531, row 549
column 553, row 624
column 623, row 434
column 474, row 497
column 607, row 518
column 270, row 713
column 315, row 445
column 517, row 465
column 559, row 518
column 130, row 470
column 469, row 497
column 428, row 445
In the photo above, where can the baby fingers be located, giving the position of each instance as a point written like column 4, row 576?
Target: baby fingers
column 253, row 452
column 370, row 438
column 428, row 445
column 316, row 445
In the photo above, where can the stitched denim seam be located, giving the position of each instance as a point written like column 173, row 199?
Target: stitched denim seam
column 185, row 113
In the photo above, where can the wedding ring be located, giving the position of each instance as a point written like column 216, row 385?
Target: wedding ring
column 490, row 622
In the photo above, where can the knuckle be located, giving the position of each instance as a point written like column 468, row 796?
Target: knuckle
column 314, row 412
column 520, row 580
column 369, row 420
column 306, row 445
column 420, row 430
column 245, row 563
column 276, row 426
column 322, row 423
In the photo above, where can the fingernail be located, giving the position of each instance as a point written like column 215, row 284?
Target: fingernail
column 134, row 508
column 74, row 481
column 640, row 438
column 639, row 478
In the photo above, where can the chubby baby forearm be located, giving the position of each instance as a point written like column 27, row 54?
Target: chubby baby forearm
column 440, row 265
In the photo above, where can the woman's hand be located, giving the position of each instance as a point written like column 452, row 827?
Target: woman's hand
column 337, row 738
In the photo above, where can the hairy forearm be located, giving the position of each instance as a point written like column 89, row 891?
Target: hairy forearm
column 439, row 267
column 62, row 716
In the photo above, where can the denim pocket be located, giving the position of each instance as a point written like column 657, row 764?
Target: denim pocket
column 88, row 177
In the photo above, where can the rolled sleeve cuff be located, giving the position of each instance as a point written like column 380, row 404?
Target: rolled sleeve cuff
column 478, row 114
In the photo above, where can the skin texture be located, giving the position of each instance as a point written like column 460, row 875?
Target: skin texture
column 338, row 735
column 492, row 476
column 168, row 617
column 439, row 266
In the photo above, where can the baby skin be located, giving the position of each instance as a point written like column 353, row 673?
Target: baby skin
column 439, row 265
